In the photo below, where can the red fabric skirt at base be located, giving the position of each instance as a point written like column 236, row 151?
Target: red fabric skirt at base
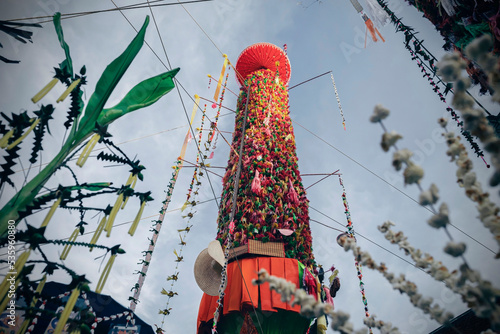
column 241, row 292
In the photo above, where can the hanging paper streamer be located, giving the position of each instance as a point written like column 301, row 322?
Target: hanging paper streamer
column 368, row 22
column 157, row 227
column 213, row 127
column 377, row 13
column 219, row 83
column 350, row 231
column 371, row 28
column 338, row 100
column 198, row 173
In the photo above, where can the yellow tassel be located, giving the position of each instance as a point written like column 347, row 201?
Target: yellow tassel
column 136, row 220
column 67, row 247
column 132, row 180
column 184, row 206
column 5, row 139
column 105, row 274
column 51, row 212
column 67, row 310
column 39, row 289
column 3, row 305
column 219, row 83
column 98, row 232
column 24, row 326
column 68, row 90
column 112, row 215
column 44, row 90
column 87, row 150
column 5, row 285
column 18, row 140
column 21, row 261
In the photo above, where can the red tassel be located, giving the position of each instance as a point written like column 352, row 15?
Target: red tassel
column 371, row 28
column 256, row 188
column 292, row 194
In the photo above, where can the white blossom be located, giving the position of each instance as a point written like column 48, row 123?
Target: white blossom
column 440, row 219
column 455, row 249
column 443, row 122
column 479, row 50
column 385, row 226
column 413, row 174
column 454, row 150
column 430, row 196
column 401, row 156
column 405, row 245
column 379, row 113
column 450, row 66
column 389, row 139
column 439, row 271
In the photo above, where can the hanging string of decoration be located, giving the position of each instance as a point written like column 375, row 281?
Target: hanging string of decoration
column 219, row 82
column 29, row 327
column 368, row 22
column 420, row 50
column 338, row 100
column 459, row 23
column 350, row 233
column 191, row 197
column 460, row 124
column 159, row 222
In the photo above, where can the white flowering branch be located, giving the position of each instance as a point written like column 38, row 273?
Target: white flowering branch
column 400, row 283
column 450, row 68
column 413, row 175
column 466, row 178
column 311, row 308
column 478, row 293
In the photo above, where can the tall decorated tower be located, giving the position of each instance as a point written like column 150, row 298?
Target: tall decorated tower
column 266, row 225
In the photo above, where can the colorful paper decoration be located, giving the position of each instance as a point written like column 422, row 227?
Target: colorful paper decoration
column 259, row 216
column 262, row 188
column 350, row 231
column 338, row 100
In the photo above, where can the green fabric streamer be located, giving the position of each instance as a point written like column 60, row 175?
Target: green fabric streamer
column 67, row 64
column 301, row 273
column 142, row 95
column 108, row 81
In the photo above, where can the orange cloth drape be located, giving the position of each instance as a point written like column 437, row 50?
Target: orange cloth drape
column 240, row 291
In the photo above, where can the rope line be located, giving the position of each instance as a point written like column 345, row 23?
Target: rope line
column 391, row 185
column 80, row 14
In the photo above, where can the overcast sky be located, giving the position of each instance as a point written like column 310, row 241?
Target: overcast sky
column 320, row 36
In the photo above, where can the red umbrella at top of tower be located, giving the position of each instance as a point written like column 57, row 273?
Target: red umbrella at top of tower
column 263, row 56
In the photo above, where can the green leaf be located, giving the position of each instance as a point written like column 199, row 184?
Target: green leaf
column 107, row 83
column 142, row 95
column 90, row 186
column 67, row 64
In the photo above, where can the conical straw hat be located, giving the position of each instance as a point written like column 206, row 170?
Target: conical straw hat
column 208, row 268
